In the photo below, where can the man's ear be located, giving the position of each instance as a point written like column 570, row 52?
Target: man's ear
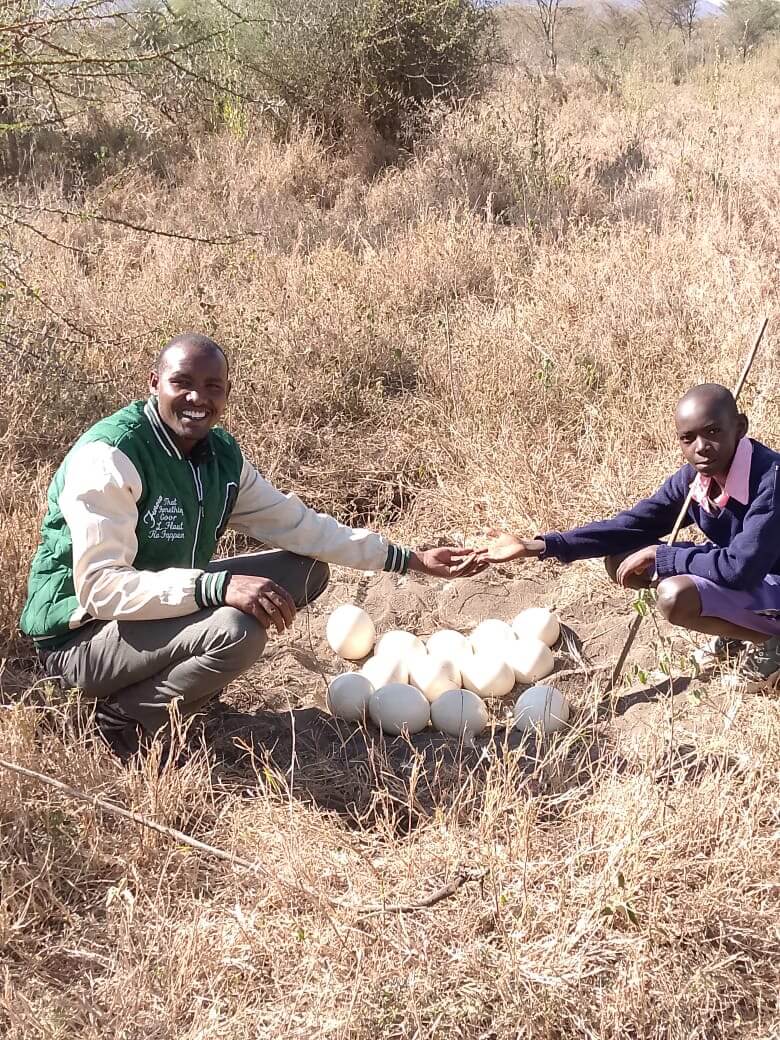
column 228, row 388
column 154, row 381
column 742, row 425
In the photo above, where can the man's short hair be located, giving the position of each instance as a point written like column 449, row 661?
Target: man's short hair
column 191, row 339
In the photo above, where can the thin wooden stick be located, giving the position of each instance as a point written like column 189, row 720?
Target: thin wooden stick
column 117, row 810
column 618, row 670
column 445, row 892
column 460, row 879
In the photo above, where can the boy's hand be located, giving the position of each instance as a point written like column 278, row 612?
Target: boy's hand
column 640, row 562
column 448, row 562
column 504, row 547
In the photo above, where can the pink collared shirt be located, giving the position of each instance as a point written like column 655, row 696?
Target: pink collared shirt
column 736, row 484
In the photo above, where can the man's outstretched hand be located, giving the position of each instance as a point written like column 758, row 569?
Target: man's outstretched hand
column 272, row 605
column 448, row 562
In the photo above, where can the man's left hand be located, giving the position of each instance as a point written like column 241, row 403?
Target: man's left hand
column 640, row 562
column 448, row 562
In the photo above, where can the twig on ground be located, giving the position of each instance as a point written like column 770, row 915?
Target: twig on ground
column 117, row 810
column 461, row 878
column 463, row 875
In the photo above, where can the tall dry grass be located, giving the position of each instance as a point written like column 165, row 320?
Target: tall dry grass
column 494, row 332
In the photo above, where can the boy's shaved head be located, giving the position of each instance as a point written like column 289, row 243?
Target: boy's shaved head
column 709, row 427
column 712, row 396
column 195, row 341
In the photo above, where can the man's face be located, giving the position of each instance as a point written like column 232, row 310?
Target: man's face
column 192, row 390
column 708, row 434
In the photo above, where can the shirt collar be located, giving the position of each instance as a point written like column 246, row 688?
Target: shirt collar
column 737, row 483
column 165, row 438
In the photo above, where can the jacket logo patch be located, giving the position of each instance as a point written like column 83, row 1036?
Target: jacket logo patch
column 165, row 519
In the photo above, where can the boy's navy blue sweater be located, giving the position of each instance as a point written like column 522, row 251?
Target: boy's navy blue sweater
column 744, row 541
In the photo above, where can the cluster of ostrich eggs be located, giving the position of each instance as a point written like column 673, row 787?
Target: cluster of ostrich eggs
column 405, row 684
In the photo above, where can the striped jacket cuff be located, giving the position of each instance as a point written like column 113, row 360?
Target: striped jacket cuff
column 210, row 589
column 397, row 561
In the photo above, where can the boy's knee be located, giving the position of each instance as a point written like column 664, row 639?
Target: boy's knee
column 611, row 564
column 236, row 637
column 678, row 600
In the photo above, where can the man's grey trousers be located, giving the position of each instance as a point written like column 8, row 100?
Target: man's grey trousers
column 138, row 668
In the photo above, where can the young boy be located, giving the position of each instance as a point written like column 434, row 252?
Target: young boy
column 728, row 587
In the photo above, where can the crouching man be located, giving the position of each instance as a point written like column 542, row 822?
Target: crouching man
column 124, row 599
column 729, row 586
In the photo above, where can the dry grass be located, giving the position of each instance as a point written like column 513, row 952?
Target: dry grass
column 494, row 333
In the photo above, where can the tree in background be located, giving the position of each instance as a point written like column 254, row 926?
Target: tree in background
column 655, row 14
column 620, row 24
column 683, row 15
column 547, row 16
column 749, row 22
column 331, row 61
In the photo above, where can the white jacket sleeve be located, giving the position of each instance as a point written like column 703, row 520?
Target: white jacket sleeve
column 99, row 501
column 280, row 520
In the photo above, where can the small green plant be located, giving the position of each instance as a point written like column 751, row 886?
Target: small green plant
column 620, row 909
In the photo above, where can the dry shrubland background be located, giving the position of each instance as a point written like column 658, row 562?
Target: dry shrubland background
column 475, row 307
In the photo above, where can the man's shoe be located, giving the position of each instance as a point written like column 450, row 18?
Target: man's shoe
column 758, row 669
column 717, row 650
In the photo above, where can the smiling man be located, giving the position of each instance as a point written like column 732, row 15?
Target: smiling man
column 124, row 599
column 728, row 587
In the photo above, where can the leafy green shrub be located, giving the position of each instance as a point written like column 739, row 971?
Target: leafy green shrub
column 336, row 62
column 749, row 22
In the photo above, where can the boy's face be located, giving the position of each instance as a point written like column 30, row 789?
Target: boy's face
column 708, row 432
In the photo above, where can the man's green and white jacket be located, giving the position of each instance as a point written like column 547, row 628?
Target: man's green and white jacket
column 132, row 523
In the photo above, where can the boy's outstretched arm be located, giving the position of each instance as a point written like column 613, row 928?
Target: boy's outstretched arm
column 504, row 547
column 645, row 523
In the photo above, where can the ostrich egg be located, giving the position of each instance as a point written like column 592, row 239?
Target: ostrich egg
column 541, row 708
column 398, row 707
column 487, row 674
column 432, row 675
column 448, row 644
column 380, row 671
column 459, row 713
column 399, row 644
column 530, row 659
column 490, row 634
column 348, row 696
column 537, row 623
column 350, row 632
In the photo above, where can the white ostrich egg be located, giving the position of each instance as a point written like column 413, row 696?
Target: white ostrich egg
column 490, row 634
column 398, row 707
column 530, row 659
column 487, row 674
column 433, row 675
column 380, row 671
column 459, row 713
column 399, row 644
column 448, row 644
column 537, row 623
column 541, row 708
column 350, row 632
column 348, row 696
